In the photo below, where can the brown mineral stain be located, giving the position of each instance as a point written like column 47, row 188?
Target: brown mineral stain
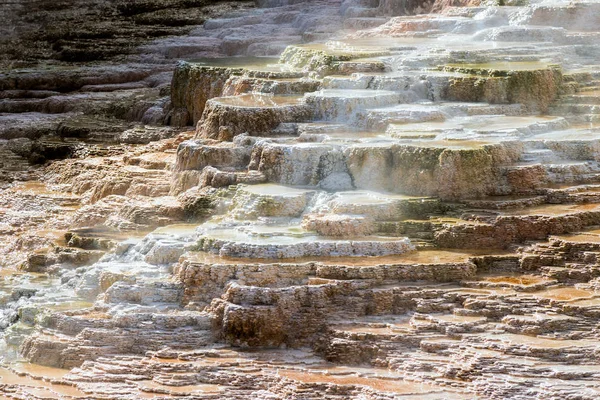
column 40, row 371
column 517, row 280
column 592, row 302
column 564, row 294
column 541, row 342
column 374, row 383
column 555, row 209
column 584, row 237
column 36, row 387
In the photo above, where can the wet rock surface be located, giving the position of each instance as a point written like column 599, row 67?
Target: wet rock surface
column 322, row 200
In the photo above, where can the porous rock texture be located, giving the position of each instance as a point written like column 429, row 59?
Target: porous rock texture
column 295, row 199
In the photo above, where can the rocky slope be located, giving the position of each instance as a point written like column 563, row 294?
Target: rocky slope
column 80, row 31
column 376, row 200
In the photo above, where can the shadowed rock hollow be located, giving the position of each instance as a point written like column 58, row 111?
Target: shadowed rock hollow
column 300, row 200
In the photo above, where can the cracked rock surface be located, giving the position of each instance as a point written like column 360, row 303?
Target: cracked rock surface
column 300, row 200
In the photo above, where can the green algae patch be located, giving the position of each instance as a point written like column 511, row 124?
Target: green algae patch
column 538, row 86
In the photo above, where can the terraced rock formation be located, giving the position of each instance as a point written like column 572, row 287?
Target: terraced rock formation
column 357, row 199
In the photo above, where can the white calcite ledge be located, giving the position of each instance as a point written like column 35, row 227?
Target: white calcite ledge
column 306, row 248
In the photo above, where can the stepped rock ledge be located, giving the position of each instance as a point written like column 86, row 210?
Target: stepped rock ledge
column 295, row 199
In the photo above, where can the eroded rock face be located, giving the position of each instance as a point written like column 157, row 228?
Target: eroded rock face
column 373, row 204
column 447, row 173
column 297, row 165
column 196, row 156
column 192, row 86
column 225, row 121
column 339, row 225
column 112, row 29
column 390, row 7
column 537, row 89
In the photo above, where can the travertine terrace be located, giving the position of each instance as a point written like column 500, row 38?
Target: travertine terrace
column 358, row 199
